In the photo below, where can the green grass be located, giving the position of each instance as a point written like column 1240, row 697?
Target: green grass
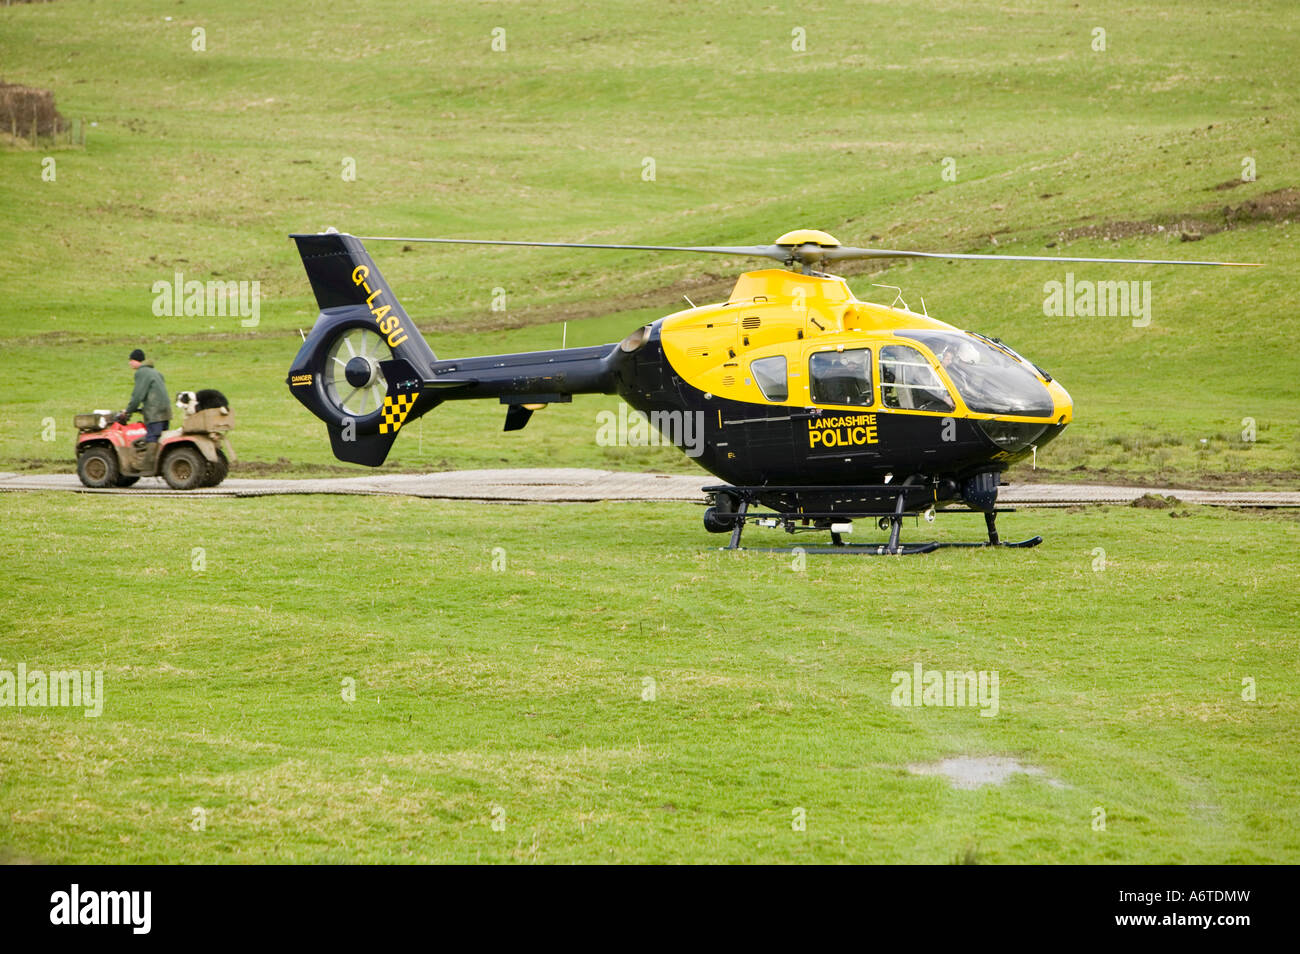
column 522, row 688
column 203, row 162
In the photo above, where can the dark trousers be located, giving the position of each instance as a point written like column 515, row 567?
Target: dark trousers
column 153, row 430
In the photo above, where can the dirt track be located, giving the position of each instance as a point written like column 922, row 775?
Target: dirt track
column 560, row 485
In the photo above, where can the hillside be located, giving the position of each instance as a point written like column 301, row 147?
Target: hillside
column 204, row 162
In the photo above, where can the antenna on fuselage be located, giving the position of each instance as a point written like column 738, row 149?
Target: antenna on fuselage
column 897, row 297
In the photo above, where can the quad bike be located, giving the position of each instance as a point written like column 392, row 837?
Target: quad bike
column 112, row 453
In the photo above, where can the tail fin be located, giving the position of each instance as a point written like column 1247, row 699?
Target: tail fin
column 344, row 278
column 362, row 368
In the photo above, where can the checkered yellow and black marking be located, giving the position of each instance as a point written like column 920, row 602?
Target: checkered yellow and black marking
column 395, row 409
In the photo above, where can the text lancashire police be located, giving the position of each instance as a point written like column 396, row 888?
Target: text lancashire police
column 852, row 430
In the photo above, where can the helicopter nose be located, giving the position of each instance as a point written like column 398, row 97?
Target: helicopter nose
column 1062, row 404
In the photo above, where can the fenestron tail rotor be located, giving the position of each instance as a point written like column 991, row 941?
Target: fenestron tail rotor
column 354, row 381
column 810, row 247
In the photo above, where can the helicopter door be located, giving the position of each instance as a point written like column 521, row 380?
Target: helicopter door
column 840, row 377
column 842, row 423
column 908, row 381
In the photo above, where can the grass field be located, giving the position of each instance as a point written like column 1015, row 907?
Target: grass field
column 521, row 689
column 503, row 714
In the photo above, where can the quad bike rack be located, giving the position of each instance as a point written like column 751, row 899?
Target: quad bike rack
column 823, row 521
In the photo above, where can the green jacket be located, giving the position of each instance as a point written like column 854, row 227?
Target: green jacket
column 150, row 395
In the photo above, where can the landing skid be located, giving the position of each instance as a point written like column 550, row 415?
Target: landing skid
column 823, row 522
column 881, row 549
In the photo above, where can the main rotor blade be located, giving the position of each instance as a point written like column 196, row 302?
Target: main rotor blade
column 765, row 251
column 847, row 253
column 809, row 254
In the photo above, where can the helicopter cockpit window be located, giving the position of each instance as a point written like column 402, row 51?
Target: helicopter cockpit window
column 770, row 374
column 908, row 381
column 841, row 377
column 990, row 380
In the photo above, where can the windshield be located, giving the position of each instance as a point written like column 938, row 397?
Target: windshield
column 989, row 380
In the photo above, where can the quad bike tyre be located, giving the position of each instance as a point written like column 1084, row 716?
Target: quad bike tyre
column 217, row 470
column 97, row 467
column 184, row 469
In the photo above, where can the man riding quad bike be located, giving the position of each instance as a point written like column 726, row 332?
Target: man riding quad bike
column 113, row 453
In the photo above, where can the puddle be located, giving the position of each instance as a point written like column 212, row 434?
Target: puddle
column 973, row 772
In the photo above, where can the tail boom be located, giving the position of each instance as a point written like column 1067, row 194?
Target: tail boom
column 364, row 347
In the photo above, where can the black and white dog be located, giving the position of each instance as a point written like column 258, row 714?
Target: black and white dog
column 191, row 402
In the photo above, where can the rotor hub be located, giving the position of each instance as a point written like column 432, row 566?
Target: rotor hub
column 805, row 247
column 360, row 371
column 808, row 237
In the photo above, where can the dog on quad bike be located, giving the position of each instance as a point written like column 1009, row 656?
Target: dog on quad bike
column 111, row 452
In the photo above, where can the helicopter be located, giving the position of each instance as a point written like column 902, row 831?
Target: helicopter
column 814, row 407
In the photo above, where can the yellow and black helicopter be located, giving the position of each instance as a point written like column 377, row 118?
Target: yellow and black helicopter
column 810, row 403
